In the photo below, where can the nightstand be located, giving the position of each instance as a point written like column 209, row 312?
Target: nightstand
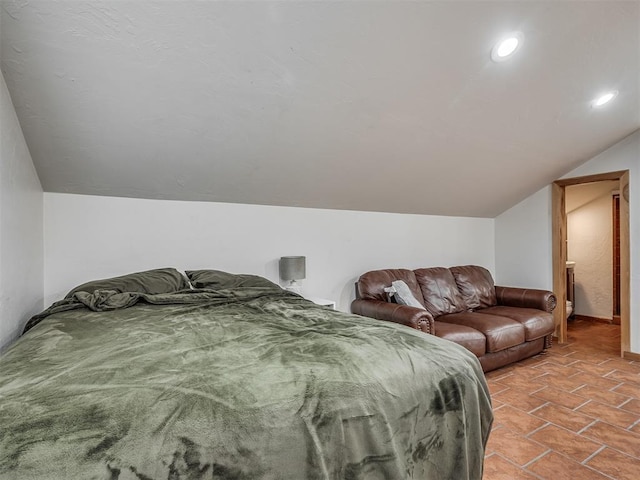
column 323, row 302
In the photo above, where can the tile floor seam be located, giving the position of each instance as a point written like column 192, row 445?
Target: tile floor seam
column 605, row 374
column 535, row 475
column 528, row 472
column 571, row 432
column 593, row 469
column 580, row 406
column 600, row 472
column 612, row 447
column 584, row 403
column 570, row 459
column 547, row 423
column 584, row 462
column 633, row 457
column 499, row 407
column 537, row 458
column 538, row 408
column 630, row 427
column 536, row 391
column 621, row 407
column 577, row 388
column 582, row 430
column 613, row 388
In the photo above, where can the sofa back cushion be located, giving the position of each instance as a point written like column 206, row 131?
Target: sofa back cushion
column 476, row 286
column 371, row 285
column 439, row 291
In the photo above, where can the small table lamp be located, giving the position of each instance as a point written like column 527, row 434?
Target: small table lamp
column 292, row 269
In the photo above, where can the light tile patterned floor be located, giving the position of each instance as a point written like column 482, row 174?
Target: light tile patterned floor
column 571, row 413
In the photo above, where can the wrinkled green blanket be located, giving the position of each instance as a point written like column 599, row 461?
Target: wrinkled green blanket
column 239, row 384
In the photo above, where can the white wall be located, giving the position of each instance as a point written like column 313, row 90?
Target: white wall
column 523, row 243
column 88, row 237
column 21, row 236
column 590, row 245
column 521, row 229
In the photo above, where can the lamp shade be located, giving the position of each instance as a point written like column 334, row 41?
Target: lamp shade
column 292, row 268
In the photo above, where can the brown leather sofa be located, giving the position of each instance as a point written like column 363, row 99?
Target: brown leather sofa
column 500, row 325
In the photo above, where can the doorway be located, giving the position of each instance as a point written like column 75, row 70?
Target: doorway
column 559, row 252
column 592, row 239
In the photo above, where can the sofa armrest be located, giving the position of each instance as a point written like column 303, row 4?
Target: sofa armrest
column 392, row 312
column 526, row 298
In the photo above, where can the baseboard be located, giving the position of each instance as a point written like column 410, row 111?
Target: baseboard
column 588, row 318
column 631, row 356
column 616, row 320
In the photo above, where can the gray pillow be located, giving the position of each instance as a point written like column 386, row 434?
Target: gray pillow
column 161, row 280
column 217, row 279
column 402, row 294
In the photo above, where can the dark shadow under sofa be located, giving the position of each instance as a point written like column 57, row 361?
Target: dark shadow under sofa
column 500, row 325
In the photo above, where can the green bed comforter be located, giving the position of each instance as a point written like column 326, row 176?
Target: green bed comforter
column 241, row 384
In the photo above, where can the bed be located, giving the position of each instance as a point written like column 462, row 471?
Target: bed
column 234, row 379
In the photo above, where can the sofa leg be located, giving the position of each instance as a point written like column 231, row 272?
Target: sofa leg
column 547, row 341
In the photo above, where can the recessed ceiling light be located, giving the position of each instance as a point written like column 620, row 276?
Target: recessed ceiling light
column 604, row 98
column 506, row 47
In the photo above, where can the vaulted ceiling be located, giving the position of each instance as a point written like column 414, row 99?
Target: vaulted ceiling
column 382, row 106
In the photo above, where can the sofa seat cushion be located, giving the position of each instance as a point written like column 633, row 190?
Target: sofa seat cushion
column 500, row 332
column 468, row 337
column 536, row 323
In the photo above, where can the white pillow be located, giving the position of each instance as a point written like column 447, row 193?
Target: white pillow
column 401, row 293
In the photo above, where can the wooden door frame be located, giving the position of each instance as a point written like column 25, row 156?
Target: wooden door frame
column 559, row 253
column 615, row 241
